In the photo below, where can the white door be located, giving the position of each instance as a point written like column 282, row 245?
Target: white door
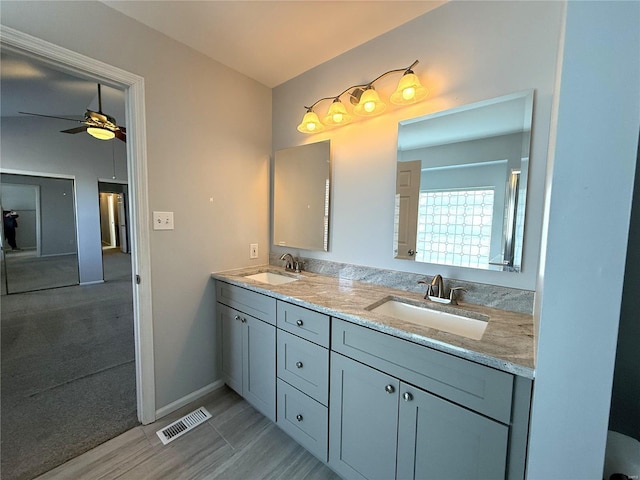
column 407, row 196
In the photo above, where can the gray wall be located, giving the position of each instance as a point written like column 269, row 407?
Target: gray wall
column 468, row 52
column 583, row 266
column 212, row 173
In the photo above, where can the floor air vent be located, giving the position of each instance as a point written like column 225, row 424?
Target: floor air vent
column 182, row 426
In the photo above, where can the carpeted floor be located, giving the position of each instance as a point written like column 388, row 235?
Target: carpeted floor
column 67, row 372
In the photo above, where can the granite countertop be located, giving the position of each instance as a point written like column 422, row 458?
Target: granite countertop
column 507, row 343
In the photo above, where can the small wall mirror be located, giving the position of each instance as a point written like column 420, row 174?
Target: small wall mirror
column 461, row 184
column 301, row 186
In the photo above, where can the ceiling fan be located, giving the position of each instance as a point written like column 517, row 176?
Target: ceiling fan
column 97, row 124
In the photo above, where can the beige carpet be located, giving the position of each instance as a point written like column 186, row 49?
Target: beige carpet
column 67, row 371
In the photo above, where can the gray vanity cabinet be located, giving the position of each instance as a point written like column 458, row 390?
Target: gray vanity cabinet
column 438, row 439
column 303, row 376
column 363, row 421
column 248, row 347
column 382, row 428
column 405, row 411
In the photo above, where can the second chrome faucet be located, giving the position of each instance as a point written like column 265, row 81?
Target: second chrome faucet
column 290, row 262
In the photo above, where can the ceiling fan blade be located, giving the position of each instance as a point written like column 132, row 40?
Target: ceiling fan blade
column 75, row 130
column 51, row 116
column 121, row 135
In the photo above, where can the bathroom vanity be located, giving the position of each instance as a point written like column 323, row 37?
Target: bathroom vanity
column 370, row 394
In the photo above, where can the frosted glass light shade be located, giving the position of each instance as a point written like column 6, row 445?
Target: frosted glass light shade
column 337, row 114
column 409, row 90
column 369, row 104
column 310, row 123
column 100, row 133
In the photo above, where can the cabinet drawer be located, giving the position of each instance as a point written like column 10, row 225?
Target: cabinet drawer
column 304, row 365
column 251, row 303
column 304, row 419
column 475, row 386
column 304, row 323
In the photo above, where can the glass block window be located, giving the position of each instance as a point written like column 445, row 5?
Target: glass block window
column 454, row 227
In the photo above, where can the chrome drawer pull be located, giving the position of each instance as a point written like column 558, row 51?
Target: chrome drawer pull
column 299, row 323
column 299, row 417
column 407, row 396
column 299, row 364
column 237, row 317
column 389, row 389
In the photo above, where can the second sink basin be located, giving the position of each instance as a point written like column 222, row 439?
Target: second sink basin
column 271, row 278
column 421, row 315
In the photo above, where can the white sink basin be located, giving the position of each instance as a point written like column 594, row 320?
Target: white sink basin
column 448, row 322
column 271, row 278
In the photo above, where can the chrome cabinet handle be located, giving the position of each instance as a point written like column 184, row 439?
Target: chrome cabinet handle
column 299, row 323
column 411, row 252
column 389, row 389
column 299, row 364
column 299, row 417
column 243, row 320
column 407, row 396
column 237, row 317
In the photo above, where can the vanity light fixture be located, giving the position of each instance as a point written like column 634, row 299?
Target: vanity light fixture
column 366, row 101
column 100, row 133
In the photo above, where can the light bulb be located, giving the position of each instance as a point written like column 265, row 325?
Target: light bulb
column 409, row 90
column 370, row 103
column 337, row 114
column 310, row 123
column 408, row 93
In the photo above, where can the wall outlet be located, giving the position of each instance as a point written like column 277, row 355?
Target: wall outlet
column 163, row 220
column 253, row 250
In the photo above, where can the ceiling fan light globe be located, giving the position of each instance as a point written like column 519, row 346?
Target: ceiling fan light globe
column 101, row 133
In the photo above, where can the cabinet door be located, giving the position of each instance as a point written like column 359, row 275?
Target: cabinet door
column 438, row 439
column 259, row 366
column 363, row 421
column 231, row 331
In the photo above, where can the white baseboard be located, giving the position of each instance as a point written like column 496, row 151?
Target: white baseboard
column 187, row 399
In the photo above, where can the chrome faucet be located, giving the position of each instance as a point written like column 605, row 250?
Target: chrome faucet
column 290, row 263
column 437, row 282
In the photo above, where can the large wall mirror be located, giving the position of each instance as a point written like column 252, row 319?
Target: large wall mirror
column 301, row 187
column 461, row 184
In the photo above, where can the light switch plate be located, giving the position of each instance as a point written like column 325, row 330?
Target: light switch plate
column 163, row 220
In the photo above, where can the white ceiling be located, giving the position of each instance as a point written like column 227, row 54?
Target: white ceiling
column 269, row 41
column 273, row 41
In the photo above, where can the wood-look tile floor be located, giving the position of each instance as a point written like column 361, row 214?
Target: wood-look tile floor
column 237, row 443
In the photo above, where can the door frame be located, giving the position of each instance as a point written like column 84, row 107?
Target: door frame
column 133, row 85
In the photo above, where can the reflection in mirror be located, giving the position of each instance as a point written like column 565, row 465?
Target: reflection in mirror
column 461, row 184
column 301, row 185
column 39, row 249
